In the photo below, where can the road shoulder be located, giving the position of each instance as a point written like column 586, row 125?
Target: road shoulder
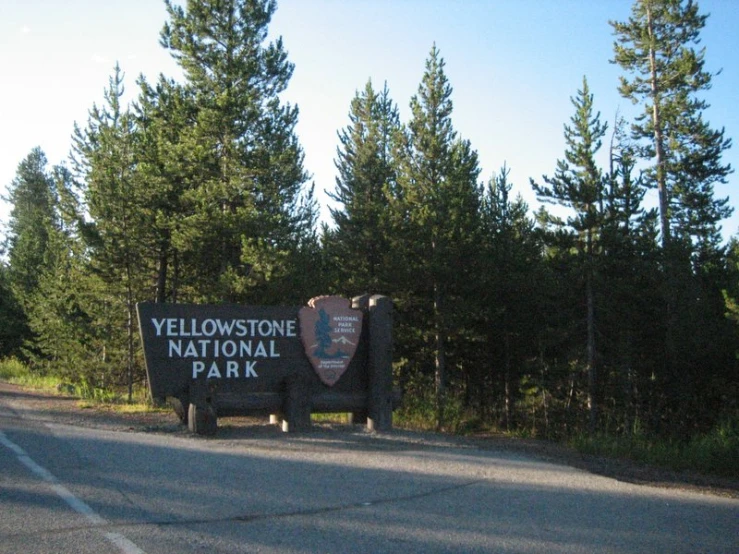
column 44, row 406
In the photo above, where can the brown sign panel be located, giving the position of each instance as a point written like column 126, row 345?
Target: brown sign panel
column 330, row 330
column 237, row 348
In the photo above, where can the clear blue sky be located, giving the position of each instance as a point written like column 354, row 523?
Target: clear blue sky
column 513, row 64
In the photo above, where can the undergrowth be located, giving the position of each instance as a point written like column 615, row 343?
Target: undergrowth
column 16, row 372
column 713, row 453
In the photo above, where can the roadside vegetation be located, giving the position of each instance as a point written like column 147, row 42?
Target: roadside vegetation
column 596, row 320
column 713, row 453
column 16, row 372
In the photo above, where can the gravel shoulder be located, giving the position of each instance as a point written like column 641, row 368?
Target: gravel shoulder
column 69, row 410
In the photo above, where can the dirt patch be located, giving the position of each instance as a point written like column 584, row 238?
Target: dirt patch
column 69, row 410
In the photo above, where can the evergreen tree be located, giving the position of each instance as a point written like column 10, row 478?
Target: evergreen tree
column 13, row 326
column 511, row 281
column 116, row 233
column 32, row 214
column 436, row 220
column 578, row 185
column 631, row 320
column 249, row 220
column 359, row 245
column 32, row 218
column 162, row 113
column 656, row 47
column 666, row 75
column 64, row 339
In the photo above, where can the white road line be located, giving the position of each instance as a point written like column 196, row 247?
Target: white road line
column 118, row 540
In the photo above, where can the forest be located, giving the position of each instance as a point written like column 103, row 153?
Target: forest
column 595, row 313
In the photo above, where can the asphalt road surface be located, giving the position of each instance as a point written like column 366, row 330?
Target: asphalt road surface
column 77, row 489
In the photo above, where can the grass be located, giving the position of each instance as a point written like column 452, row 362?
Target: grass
column 715, row 453
column 15, row 372
column 339, row 418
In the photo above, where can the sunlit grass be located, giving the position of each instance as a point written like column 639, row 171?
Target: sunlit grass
column 339, row 418
column 15, row 372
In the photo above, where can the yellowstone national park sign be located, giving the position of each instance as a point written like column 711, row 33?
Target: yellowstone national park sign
column 330, row 330
column 334, row 355
column 255, row 344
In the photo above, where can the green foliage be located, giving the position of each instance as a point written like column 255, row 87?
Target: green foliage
column 88, row 391
column 358, row 247
column 435, row 215
column 13, row 324
column 656, row 47
column 248, row 220
column 32, row 219
column 11, row 369
column 503, row 319
column 14, row 371
column 508, row 313
column 118, row 231
column 31, row 195
column 579, row 186
column 419, row 409
column 17, row 372
column 714, row 452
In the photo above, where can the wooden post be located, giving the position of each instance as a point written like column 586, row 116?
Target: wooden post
column 380, row 397
column 296, row 412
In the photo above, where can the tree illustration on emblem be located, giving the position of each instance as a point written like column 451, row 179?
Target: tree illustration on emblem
column 323, row 335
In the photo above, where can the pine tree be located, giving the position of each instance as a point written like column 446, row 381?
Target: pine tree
column 631, row 320
column 32, row 199
column 436, row 220
column 162, row 114
column 117, row 232
column 509, row 298
column 13, row 325
column 578, row 185
column 656, row 47
column 249, row 220
column 359, row 244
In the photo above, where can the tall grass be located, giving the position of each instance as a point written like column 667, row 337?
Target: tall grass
column 16, row 372
column 715, row 453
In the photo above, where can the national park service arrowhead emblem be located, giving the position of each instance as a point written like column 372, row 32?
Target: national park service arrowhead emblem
column 330, row 331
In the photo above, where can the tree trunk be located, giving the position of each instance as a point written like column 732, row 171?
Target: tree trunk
column 508, row 399
column 590, row 354
column 592, row 369
column 129, row 337
column 440, row 361
column 658, row 140
column 162, row 268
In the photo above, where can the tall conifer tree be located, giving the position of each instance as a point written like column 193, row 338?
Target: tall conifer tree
column 656, row 47
column 510, row 286
column 437, row 217
column 116, row 235
column 249, row 213
column 359, row 244
column 163, row 112
column 578, row 184
column 31, row 195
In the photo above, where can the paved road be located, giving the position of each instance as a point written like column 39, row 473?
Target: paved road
column 67, row 489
